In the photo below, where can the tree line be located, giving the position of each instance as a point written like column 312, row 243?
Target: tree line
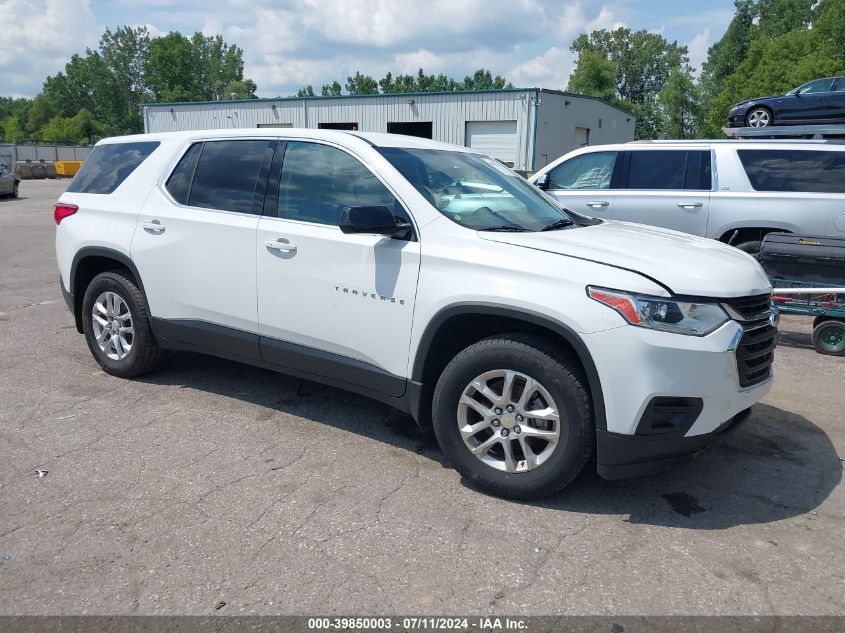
column 101, row 92
column 361, row 84
column 769, row 47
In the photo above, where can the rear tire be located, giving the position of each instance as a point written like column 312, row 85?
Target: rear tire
column 115, row 319
column 558, row 392
column 829, row 337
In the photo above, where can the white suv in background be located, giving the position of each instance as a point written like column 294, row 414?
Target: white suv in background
column 428, row 277
column 734, row 191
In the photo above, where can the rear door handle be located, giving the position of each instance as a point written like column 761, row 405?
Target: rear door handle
column 690, row 205
column 280, row 246
column 153, row 227
column 595, row 204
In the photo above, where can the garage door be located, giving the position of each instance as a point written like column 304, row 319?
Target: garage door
column 494, row 138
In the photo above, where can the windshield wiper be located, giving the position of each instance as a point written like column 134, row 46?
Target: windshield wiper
column 560, row 224
column 507, row 228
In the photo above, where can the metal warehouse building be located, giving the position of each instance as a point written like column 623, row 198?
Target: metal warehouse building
column 525, row 128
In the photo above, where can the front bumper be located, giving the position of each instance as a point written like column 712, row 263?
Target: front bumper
column 736, row 119
column 696, row 377
column 623, row 456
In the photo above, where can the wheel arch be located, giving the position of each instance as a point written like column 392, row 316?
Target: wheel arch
column 90, row 262
column 738, row 234
column 444, row 336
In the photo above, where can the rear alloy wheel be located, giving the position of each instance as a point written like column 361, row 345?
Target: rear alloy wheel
column 759, row 117
column 829, row 338
column 513, row 415
column 117, row 326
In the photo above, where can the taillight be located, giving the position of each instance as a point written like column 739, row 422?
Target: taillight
column 64, row 210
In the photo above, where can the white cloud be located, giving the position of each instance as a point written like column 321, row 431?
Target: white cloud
column 549, row 70
column 289, row 43
column 697, row 48
column 38, row 39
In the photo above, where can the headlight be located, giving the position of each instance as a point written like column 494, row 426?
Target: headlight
column 667, row 315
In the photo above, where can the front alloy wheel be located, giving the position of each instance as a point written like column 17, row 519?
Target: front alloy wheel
column 513, row 414
column 759, row 117
column 508, row 420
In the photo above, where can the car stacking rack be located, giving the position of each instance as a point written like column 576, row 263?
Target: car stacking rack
column 834, row 131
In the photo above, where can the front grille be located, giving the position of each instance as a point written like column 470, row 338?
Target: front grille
column 755, row 352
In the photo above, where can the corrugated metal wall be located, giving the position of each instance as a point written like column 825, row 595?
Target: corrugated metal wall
column 448, row 114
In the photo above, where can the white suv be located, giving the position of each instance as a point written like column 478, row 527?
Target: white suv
column 426, row 276
column 735, row 191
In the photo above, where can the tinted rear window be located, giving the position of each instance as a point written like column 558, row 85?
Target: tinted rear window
column 109, row 165
column 794, row 170
column 227, row 174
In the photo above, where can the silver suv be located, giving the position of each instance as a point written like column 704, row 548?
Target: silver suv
column 735, row 191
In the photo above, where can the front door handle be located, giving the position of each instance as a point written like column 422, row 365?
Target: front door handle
column 153, row 227
column 690, row 205
column 596, row 204
column 280, row 246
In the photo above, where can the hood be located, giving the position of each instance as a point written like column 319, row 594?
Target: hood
column 756, row 100
column 685, row 264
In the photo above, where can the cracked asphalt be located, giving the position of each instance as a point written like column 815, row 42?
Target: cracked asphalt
column 212, row 481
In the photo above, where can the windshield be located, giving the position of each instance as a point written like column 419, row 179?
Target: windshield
column 476, row 191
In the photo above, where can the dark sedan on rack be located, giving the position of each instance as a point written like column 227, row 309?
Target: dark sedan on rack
column 817, row 101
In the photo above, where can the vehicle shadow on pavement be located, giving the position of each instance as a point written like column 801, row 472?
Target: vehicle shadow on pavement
column 295, row 396
column 777, row 465
column 797, row 340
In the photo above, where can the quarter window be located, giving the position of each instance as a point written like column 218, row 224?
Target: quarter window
column 318, row 181
column 109, row 165
column 227, row 174
column 587, row 171
column 794, row 170
column 179, row 183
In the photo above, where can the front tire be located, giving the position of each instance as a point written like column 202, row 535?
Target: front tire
column 759, row 117
column 15, row 189
column 752, row 247
column 115, row 319
column 513, row 415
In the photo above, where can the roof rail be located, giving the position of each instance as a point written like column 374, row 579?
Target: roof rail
column 812, row 132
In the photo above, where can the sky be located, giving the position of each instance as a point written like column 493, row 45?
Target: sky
column 288, row 44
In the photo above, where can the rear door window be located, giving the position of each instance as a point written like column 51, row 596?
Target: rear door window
column 109, row 165
column 669, row 170
column 227, row 174
column 587, row 171
column 809, row 171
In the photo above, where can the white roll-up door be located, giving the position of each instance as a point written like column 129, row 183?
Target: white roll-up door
column 494, row 138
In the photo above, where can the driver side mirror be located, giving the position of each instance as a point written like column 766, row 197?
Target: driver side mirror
column 373, row 220
column 542, row 182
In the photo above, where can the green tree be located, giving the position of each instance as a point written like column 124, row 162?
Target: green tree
column 681, row 105
column 11, row 129
column 331, row 90
column 360, row 84
column 593, row 75
column 125, row 53
column 305, row 91
column 642, row 62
